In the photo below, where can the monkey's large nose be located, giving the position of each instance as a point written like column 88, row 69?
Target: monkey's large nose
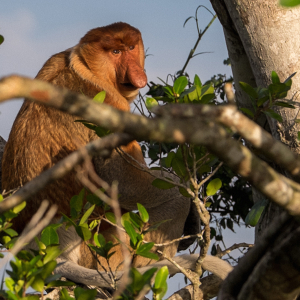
column 136, row 75
column 141, row 81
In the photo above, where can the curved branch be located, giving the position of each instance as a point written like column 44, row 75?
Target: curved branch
column 181, row 123
column 86, row 276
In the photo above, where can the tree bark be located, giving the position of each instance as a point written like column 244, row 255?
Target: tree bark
column 262, row 37
column 2, row 145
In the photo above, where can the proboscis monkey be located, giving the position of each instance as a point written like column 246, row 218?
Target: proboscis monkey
column 109, row 58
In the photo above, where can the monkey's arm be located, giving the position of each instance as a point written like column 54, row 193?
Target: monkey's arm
column 74, row 272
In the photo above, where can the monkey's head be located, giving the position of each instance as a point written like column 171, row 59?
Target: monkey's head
column 115, row 53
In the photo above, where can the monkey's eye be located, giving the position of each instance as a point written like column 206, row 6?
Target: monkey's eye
column 116, row 51
column 131, row 47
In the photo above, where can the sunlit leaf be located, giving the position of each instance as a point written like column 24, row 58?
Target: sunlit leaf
column 19, row 207
column 180, row 84
column 38, row 284
column 150, row 103
column 100, row 97
column 83, row 231
column 49, row 236
column 197, row 81
column 87, row 214
column 143, row 213
column 289, row 3
column 213, row 187
column 274, row 77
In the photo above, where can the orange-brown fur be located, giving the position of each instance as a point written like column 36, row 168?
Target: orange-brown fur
column 108, row 58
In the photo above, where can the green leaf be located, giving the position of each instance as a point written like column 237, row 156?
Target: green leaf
column 57, row 283
column 180, row 84
column 101, row 132
column 197, row 81
column 256, row 211
column 82, row 294
column 99, row 240
column 83, row 231
column 179, row 166
column 161, row 184
column 289, row 3
column 150, row 103
column 274, row 77
column 48, row 269
column 1, row 39
column 86, row 215
column 247, row 112
column 288, row 80
column 161, row 277
column 184, row 192
column 9, row 283
column 143, row 250
column 169, row 159
column 150, row 255
column 52, row 252
column 64, row 295
column 271, row 113
column 100, row 97
column 10, row 232
column 49, row 236
column 143, row 213
column 38, row 284
column 19, row 207
column 213, row 187
column 111, row 217
column 188, row 91
column 131, row 232
column 298, row 138
column 248, row 89
column 283, row 104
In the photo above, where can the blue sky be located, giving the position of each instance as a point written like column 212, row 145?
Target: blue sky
column 36, row 29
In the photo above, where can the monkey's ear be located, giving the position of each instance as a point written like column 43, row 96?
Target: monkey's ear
column 191, row 226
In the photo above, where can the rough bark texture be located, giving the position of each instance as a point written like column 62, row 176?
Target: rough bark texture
column 2, row 144
column 266, row 37
column 262, row 37
column 271, row 39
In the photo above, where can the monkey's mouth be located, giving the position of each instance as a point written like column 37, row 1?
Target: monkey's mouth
column 128, row 86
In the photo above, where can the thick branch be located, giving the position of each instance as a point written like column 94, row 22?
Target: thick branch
column 193, row 124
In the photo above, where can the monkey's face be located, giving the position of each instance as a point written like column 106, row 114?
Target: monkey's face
column 129, row 71
column 115, row 55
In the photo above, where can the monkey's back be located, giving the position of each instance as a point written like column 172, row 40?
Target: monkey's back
column 41, row 136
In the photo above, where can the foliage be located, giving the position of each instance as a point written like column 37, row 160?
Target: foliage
column 289, row 3
column 264, row 100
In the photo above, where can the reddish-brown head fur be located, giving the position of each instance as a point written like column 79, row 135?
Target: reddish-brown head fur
column 116, row 52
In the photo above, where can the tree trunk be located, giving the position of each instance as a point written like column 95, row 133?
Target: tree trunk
column 262, row 37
